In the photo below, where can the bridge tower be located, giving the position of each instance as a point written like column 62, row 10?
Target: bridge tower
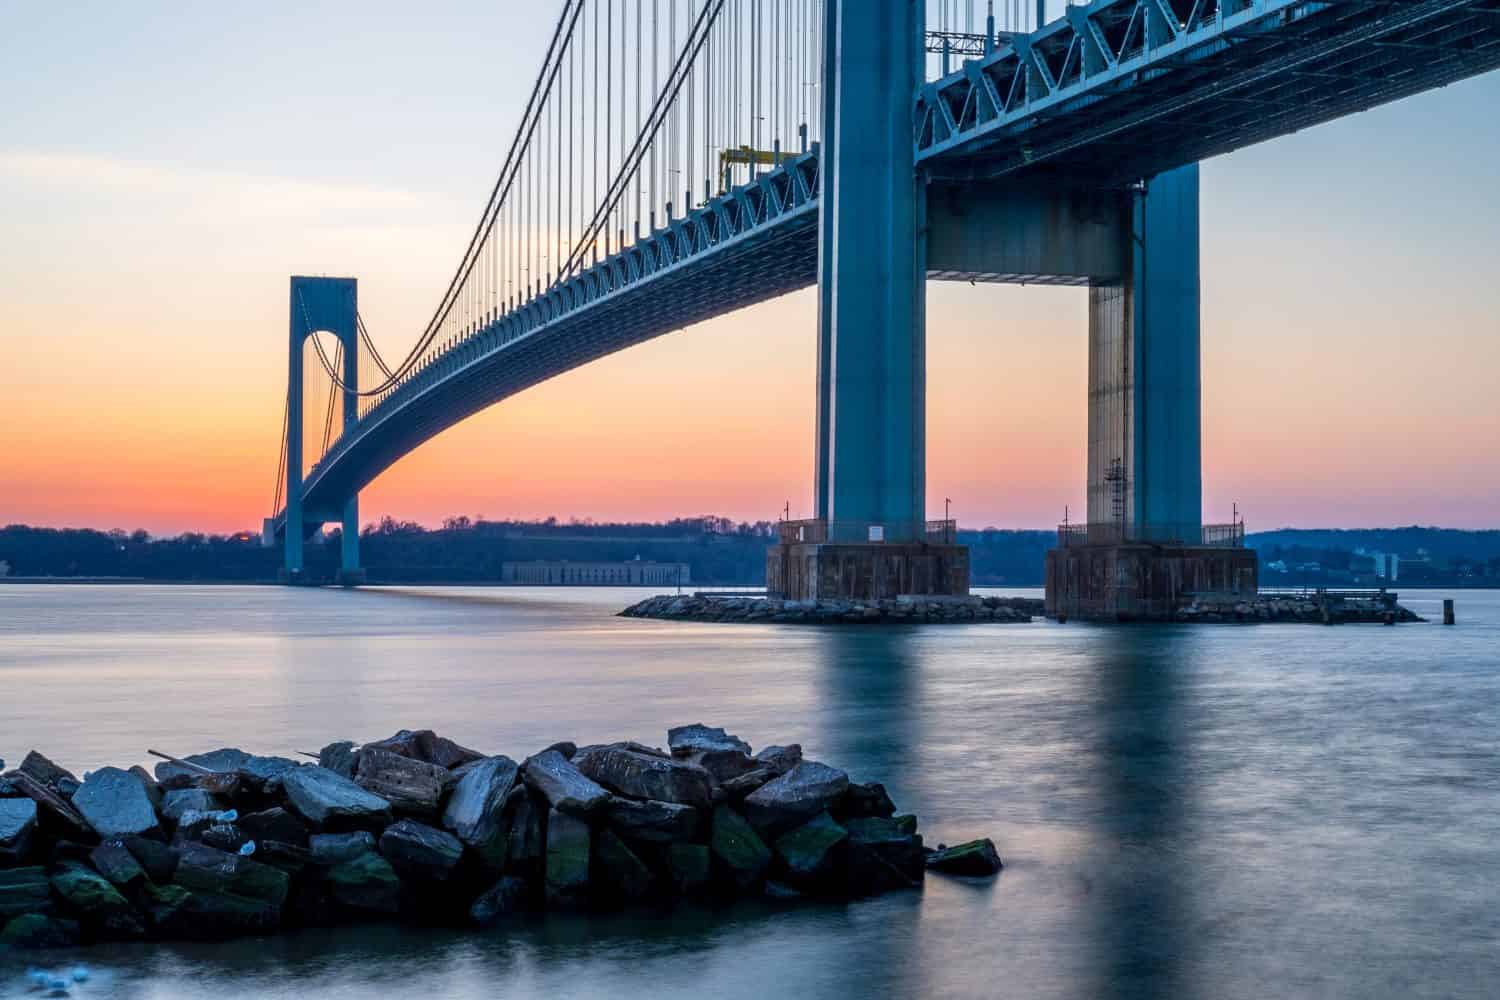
column 320, row 305
column 870, row 537
column 1145, row 545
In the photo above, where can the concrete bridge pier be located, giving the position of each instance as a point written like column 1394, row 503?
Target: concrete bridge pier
column 319, row 305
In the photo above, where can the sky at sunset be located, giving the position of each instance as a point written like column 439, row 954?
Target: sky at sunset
column 164, row 168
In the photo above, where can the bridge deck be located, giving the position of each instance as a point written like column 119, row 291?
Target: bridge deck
column 1110, row 94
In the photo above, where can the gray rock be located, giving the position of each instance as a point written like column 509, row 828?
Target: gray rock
column 428, row 747
column 265, row 772
column 417, row 850
column 722, row 765
column 881, row 856
column 39, row 768
column 567, row 858
column 781, row 759
column 115, row 803
column 475, row 811
column 866, row 800
column 409, row 785
column 322, row 797
column 525, row 844
column 115, row 862
column 735, row 789
column 181, row 800
column 977, row 857
column 342, row 758
column 795, row 797
column 645, row 776
column 684, row 740
column 659, row 822
column 564, row 787
column 225, row 836
column 159, row 860
column 567, row 748
column 336, row 848
column 154, row 791
column 17, row 824
column 226, row 760
column 52, row 808
column 505, row 897
column 275, row 824
column 193, row 822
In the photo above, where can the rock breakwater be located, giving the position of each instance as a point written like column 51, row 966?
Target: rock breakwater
column 419, row 828
column 901, row 610
column 1314, row 607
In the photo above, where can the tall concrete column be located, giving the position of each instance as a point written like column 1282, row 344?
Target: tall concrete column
column 349, row 537
column 297, row 333
column 1145, row 394
column 319, row 305
column 871, row 323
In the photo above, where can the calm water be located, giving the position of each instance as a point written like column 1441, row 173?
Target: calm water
column 1192, row 812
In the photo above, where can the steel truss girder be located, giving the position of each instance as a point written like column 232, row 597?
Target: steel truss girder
column 745, row 246
column 1125, row 88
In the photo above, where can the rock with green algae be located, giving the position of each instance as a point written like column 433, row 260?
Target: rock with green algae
column 31, row 931
column 366, row 882
column 568, row 857
column 976, row 857
column 741, row 854
column 95, row 901
column 24, row 890
column 808, row 851
column 177, row 912
column 690, row 866
column 616, row 869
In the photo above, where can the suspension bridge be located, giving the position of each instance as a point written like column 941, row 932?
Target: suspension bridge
column 681, row 159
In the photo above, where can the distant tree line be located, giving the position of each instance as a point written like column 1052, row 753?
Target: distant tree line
column 717, row 550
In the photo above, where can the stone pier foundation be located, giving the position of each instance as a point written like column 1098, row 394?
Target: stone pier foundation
column 1138, row 581
column 812, row 571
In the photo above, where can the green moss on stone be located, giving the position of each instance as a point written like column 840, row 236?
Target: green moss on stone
column 738, row 847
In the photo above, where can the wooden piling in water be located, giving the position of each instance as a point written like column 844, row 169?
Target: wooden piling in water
column 1448, row 611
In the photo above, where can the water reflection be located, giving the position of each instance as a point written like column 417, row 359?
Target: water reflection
column 868, row 682
column 1143, row 777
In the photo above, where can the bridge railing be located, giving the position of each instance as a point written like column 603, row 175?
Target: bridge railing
column 1228, row 536
column 817, row 530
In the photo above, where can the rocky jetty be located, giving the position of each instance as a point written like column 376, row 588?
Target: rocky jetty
column 901, row 610
column 419, row 828
column 1313, row 607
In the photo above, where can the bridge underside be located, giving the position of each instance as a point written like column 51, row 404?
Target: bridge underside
column 767, row 264
column 1316, row 63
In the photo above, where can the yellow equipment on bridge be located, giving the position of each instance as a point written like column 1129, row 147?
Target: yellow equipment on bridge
column 736, row 156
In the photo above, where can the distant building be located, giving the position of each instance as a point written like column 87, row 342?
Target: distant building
column 635, row 573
